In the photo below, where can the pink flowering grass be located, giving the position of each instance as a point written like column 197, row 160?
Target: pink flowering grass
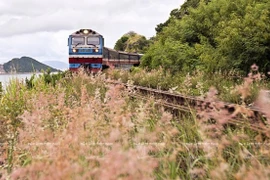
column 83, row 128
column 79, row 133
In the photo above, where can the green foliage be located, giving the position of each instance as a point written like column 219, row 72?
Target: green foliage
column 30, row 83
column 121, row 44
column 171, row 56
column 132, row 42
column 13, row 101
column 13, row 104
column 217, row 35
column 179, row 13
column 47, row 77
column 52, row 78
column 1, row 89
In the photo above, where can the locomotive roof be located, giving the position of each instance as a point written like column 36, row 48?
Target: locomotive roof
column 85, row 32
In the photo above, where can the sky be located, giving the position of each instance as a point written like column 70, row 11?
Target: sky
column 40, row 28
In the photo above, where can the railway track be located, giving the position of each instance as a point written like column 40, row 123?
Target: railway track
column 249, row 117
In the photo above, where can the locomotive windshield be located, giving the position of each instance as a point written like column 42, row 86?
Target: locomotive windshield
column 93, row 40
column 78, row 40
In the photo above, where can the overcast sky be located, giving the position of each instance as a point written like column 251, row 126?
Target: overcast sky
column 40, row 28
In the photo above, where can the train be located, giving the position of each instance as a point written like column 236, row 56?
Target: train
column 87, row 51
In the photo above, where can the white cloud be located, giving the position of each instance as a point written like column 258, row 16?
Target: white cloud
column 40, row 29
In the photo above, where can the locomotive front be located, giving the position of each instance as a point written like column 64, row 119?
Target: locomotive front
column 85, row 50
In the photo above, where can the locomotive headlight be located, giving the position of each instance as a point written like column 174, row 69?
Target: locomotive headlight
column 74, row 50
column 96, row 50
column 85, row 31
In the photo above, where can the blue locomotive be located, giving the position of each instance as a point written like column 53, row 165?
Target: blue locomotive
column 85, row 50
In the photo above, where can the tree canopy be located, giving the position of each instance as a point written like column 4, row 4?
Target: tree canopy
column 213, row 35
column 132, row 42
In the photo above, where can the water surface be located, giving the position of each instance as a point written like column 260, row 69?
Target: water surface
column 5, row 78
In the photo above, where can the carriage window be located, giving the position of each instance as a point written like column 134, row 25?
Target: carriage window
column 77, row 40
column 93, row 40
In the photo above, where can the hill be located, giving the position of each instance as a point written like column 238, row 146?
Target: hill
column 57, row 64
column 25, row 64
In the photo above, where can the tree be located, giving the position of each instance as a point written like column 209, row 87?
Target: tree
column 120, row 45
column 132, row 42
column 179, row 13
column 221, row 34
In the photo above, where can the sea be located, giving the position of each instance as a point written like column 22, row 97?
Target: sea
column 6, row 78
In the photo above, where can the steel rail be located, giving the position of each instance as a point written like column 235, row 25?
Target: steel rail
column 234, row 121
column 187, row 103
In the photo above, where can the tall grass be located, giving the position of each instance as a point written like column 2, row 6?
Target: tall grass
column 82, row 128
column 198, row 83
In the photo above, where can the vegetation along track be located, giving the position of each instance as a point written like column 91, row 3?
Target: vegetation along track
column 250, row 117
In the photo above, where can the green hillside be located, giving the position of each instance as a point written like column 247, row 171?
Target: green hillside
column 25, row 64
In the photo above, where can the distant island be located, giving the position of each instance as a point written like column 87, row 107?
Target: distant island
column 24, row 65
